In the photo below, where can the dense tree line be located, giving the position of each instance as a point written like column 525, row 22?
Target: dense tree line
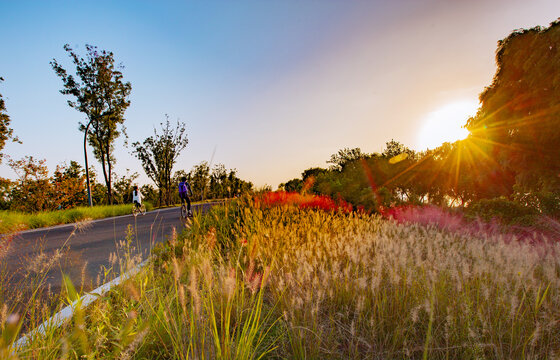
column 36, row 190
column 213, row 183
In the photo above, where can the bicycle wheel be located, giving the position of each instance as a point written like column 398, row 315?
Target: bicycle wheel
column 184, row 211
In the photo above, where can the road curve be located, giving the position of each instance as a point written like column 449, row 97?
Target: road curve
column 85, row 250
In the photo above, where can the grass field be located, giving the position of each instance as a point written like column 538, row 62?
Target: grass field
column 261, row 280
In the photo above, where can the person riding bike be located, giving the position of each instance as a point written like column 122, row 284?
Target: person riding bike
column 184, row 191
column 136, row 197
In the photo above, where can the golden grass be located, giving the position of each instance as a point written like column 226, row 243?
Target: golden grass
column 281, row 282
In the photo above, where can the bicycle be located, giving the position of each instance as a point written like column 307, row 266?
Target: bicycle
column 185, row 213
column 138, row 209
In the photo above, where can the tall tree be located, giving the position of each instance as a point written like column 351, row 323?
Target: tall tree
column 158, row 154
column 100, row 93
column 517, row 123
column 219, row 182
column 199, row 179
column 6, row 133
column 394, row 148
column 344, row 156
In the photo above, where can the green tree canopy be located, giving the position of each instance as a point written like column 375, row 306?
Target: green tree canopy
column 6, row 133
column 344, row 156
column 199, row 179
column 394, row 148
column 517, row 124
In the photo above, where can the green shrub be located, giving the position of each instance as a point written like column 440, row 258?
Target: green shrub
column 549, row 204
column 507, row 211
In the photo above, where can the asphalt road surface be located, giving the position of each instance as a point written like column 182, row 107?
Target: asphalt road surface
column 85, row 252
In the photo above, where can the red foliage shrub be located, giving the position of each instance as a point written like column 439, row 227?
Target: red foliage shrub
column 279, row 198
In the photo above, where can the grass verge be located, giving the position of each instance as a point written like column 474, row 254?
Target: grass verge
column 13, row 221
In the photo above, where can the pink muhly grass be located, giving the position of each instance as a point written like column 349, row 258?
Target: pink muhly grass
column 454, row 222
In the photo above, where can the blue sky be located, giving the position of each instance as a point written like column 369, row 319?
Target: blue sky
column 269, row 87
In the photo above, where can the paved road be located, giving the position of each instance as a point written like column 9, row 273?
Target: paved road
column 87, row 249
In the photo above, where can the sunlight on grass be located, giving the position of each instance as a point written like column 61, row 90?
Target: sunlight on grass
column 252, row 280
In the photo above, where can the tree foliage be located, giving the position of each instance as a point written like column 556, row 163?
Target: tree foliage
column 35, row 190
column 32, row 191
column 517, row 124
column 6, row 132
column 343, row 156
column 69, row 186
column 158, row 154
column 199, row 179
column 99, row 92
column 213, row 183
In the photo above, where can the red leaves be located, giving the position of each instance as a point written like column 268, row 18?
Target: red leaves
column 280, row 198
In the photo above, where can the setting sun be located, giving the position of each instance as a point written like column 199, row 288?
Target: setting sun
column 446, row 124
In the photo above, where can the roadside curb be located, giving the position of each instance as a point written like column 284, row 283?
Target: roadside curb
column 66, row 313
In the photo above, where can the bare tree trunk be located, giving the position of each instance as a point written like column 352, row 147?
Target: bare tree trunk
column 109, row 190
column 103, row 167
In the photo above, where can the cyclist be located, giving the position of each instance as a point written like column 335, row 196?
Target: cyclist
column 184, row 191
column 136, row 197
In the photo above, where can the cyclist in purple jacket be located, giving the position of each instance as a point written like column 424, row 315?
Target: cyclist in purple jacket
column 184, row 192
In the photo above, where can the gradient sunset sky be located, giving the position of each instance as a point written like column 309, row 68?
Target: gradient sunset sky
column 270, row 87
